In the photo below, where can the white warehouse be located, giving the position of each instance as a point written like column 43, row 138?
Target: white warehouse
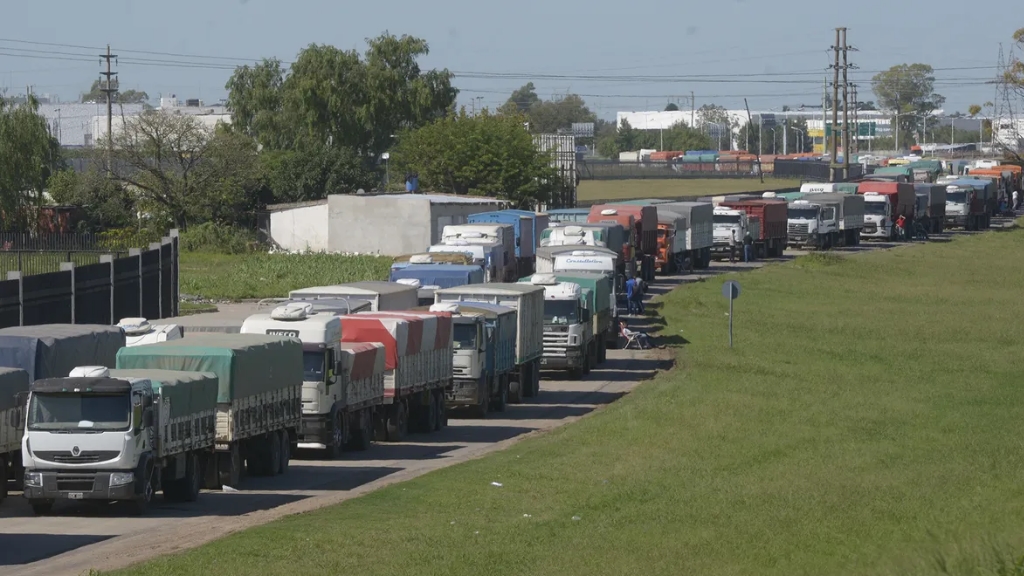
column 385, row 224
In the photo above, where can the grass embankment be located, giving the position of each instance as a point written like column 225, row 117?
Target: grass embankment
column 868, row 419
column 590, row 190
column 258, row 275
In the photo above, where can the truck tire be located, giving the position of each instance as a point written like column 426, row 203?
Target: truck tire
column 484, row 406
column 193, row 480
column 398, row 421
column 442, row 412
column 3, row 478
column 515, row 392
column 336, row 441
column 273, row 459
column 229, row 467
column 41, row 507
column 362, row 435
column 500, row 402
column 535, row 381
column 144, row 500
column 428, row 419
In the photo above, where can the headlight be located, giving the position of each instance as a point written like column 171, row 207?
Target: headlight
column 121, row 478
column 34, row 479
column 574, row 340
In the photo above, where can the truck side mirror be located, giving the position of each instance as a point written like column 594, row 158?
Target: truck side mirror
column 147, row 419
column 15, row 417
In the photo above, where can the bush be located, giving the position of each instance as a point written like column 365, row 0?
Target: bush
column 121, row 239
column 218, row 239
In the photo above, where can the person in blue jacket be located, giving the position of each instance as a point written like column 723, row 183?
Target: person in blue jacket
column 631, row 290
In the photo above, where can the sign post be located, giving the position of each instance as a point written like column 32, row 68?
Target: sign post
column 731, row 290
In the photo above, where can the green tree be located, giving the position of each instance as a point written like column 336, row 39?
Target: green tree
column 29, row 155
column 549, row 116
column 336, row 98
column 316, row 172
column 484, row 154
column 184, row 172
column 672, row 107
column 907, row 89
column 522, row 99
column 123, row 97
column 105, row 203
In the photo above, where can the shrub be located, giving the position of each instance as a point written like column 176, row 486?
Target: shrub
column 218, row 239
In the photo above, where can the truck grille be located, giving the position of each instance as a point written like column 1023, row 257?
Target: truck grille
column 86, row 457
column 69, row 483
column 555, row 344
column 799, row 229
column 460, row 371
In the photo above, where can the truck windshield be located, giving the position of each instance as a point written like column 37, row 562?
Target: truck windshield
column 828, row 213
column 726, row 219
column 559, row 311
column 956, row 197
column 876, row 208
column 313, row 366
column 803, row 213
column 108, row 412
column 464, row 337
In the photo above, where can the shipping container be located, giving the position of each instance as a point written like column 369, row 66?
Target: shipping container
column 700, row 229
column 772, row 216
column 54, row 350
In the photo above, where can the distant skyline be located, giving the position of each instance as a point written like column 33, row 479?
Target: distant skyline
column 773, row 54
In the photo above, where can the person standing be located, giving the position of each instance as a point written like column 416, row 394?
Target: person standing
column 748, row 247
column 732, row 247
column 1016, row 200
column 631, row 289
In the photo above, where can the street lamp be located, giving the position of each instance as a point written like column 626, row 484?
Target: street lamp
column 387, row 169
column 801, row 140
column 773, row 139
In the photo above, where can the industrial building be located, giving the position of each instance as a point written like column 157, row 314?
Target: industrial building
column 386, row 224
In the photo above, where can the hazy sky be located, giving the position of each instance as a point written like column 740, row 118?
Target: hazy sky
column 773, row 53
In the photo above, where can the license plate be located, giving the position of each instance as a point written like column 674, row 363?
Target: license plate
column 75, row 495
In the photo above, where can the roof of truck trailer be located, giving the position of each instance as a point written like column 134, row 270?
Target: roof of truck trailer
column 99, row 385
column 369, row 287
column 500, row 289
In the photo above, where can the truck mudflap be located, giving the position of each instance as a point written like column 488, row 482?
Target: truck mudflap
column 314, row 431
column 463, row 393
column 79, row 485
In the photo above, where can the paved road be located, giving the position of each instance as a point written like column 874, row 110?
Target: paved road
column 80, row 537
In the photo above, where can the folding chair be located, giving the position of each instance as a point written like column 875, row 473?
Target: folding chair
column 638, row 338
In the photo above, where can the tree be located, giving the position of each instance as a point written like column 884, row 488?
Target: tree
column 549, row 116
column 907, row 89
column 183, row 171
column 29, row 154
column 713, row 119
column 122, row 97
column 316, row 172
column 484, row 154
column 337, row 98
column 522, row 99
column 672, row 107
column 105, row 203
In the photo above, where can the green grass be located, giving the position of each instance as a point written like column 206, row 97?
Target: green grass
column 867, row 422
column 590, row 190
column 259, row 275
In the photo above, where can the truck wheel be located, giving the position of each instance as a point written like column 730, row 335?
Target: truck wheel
column 41, row 507
column 429, row 414
column 144, row 500
column 442, row 412
column 515, row 390
column 501, row 400
column 481, row 409
column 535, row 381
column 192, row 482
column 3, row 479
column 273, row 458
column 336, row 440
column 398, row 421
column 229, row 467
column 362, row 436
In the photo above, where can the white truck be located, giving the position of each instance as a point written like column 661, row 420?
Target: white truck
column 382, row 295
column 569, row 342
column 812, row 224
column 486, row 234
column 139, row 331
column 850, row 212
column 700, row 229
column 528, row 302
column 491, row 256
column 338, row 406
column 259, row 396
column 118, row 435
column 14, row 384
column 818, row 188
column 731, row 224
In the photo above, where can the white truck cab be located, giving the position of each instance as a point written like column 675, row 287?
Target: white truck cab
column 878, row 220
column 812, row 224
column 322, row 393
column 729, row 223
column 568, row 331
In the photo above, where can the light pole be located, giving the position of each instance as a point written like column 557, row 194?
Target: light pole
column 800, row 147
column 773, row 139
column 387, row 169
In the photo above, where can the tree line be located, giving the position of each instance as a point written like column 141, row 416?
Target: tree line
column 339, row 121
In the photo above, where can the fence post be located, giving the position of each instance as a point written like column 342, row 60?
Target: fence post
column 108, row 259
column 175, row 242
column 70, row 267
column 159, row 277
column 137, row 254
column 21, row 294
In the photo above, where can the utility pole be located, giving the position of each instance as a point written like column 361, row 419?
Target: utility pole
column 846, row 111
column 856, row 120
column 109, row 87
column 693, row 110
column 833, row 161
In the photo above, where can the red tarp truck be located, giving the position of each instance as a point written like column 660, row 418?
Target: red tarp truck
column 608, row 214
column 773, row 216
column 645, row 224
column 884, row 203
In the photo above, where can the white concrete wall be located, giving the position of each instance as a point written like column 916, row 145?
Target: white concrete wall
column 301, row 228
column 378, row 225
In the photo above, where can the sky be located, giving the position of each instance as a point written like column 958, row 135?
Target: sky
column 620, row 56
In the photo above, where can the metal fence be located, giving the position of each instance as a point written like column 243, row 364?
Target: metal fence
column 140, row 282
column 811, row 170
column 42, row 253
column 614, row 170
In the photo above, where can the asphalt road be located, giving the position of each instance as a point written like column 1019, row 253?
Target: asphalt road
column 79, row 537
